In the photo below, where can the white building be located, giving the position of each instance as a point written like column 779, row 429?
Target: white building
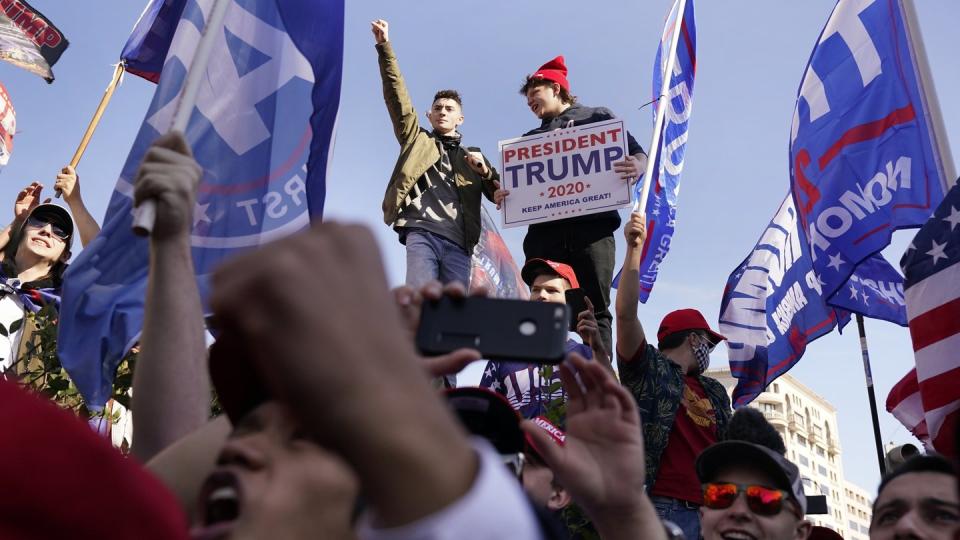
column 808, row 425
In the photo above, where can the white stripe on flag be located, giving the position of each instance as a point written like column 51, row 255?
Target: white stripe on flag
column 909, row 411
column 942, row 289
column 936, row 417
column 938, row 358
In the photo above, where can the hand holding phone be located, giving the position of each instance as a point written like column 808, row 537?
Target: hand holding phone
column 577, row 300
column 501, row 329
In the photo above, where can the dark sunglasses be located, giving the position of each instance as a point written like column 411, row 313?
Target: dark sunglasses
column 761, row 500
column 37, row 223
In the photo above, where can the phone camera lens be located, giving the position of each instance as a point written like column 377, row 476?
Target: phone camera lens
column 528, row 328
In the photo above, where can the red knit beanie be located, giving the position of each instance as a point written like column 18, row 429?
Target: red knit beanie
column 554, row 71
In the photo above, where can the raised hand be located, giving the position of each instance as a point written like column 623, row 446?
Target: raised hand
column 68, row 183
column 169, row 175
column 27, row 200
column 381, row 30
column 635, row 230
column 601, row 463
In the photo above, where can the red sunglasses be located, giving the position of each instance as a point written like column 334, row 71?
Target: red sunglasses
column 761, row 500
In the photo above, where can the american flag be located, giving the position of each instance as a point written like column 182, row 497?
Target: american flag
column 932, row 268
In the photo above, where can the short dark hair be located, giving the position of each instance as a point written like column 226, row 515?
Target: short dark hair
column 534, row 82
column 934, row 463
column 749, row 424
column 675, row 339
column 448, row 94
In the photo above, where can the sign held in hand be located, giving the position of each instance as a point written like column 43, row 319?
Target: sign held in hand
column 563, row 173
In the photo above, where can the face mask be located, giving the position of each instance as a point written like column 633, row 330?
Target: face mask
column 701, row 351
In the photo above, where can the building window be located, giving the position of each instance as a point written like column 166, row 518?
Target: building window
column 802, row 440
column 853, row 525
column 776, row 388
column 824, row 490
column 864, row 529
column 806, row 482
column 822, row 470
column 820, row 452
column 803, row 460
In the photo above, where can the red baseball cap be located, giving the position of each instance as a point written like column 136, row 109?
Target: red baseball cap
column 534, row 267
column 558, row 436
column 61, row 480
column 554, row 71
column 686, row 319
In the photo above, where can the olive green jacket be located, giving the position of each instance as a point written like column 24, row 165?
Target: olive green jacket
column 420, row 150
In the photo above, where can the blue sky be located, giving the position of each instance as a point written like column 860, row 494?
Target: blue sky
column 751, row 58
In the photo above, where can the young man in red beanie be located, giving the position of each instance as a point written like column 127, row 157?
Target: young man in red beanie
column 433, row 198
column 683, row 411
column 584, row 242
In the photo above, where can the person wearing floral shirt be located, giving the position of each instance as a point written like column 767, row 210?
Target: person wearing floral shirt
column 683, row 411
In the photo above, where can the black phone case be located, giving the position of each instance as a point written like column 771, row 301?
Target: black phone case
column 576, row 301
column 499, row 328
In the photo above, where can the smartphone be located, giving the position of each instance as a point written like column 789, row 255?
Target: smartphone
column 577, row 300
column 501, row 329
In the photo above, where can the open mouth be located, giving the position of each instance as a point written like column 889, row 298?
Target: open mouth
column 41, row 242
column 736, row 535
column 219, row 506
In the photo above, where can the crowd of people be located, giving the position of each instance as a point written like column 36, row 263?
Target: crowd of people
column 333, row 425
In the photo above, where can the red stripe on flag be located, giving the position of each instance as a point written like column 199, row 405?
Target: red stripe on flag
column 940, row 390
column 938, row 323
column 865, row 132
column 946, row 440
column 907, row 386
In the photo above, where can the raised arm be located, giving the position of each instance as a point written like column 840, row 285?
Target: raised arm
column 630, row 334
column 395, row 95
column 68, row 183
column 171, row 388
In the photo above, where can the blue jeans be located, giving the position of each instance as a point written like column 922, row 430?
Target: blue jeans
column 684, row 514
column 431, row 256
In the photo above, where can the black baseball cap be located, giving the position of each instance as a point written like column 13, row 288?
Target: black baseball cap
column 785, row 475
column 55, row 215
column 487, row 414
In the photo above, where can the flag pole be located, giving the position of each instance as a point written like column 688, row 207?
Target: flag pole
column 929, row 91
column 868, row 373
column 640, row 205
column 104, row 101
column 145, row 214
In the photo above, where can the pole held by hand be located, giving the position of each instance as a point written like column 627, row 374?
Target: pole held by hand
column 145, row 215
column 104, row 101
column 640, row 205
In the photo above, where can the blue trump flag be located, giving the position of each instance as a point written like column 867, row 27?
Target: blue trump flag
column 661, row 210
column 875, row 289
column 262, row 129
column 774, row 304
column 863, row 157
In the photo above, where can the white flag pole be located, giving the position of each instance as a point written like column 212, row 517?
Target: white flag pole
column 640, row 205
column 931, row 103
column 145, row 214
